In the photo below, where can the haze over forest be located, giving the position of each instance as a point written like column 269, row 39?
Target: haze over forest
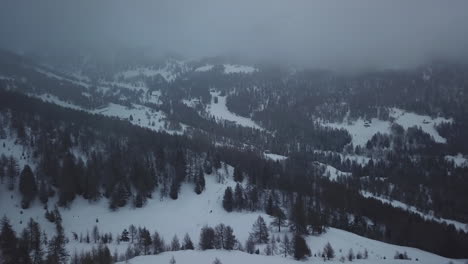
column 325, row 34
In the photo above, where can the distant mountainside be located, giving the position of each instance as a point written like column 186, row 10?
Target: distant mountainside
column 381, row 154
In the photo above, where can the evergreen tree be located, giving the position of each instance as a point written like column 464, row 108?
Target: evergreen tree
column 187, row 243
column 328, row 251
column 350, row 255
column 228, row 199
column 260, row 231
column 286, row 248
column 174, row 190
column 298, row 216
column 301, row 250
column 207, row 238
column 27, row 186
column 57, row 254
column 269, row 206
column 145, row 241
column 8, row 243
column 175, row 245
column 12, row 172
column 229, row 238
column 158, row 244
column 239, row 201
column 124, row 236
column 35, row 242
column 280, row 218
column 238, row 175
column 200, row 182
column 250, row 245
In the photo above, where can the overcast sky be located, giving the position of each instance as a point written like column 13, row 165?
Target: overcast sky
column 331, row 33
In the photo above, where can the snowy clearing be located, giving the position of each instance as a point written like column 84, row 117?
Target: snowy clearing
column 274, row 157
column 459, row 160
column 398, row 204
column 231, row 68
column 204, row 68
column 362, row 130
column 220, row 111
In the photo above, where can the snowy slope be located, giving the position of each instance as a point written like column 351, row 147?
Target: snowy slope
column 459, row 160
column 341, row 241
column 398, row 204
column 169, row 217
column 362, row 131
column 205, row 68
column 220, row 111
column 232, row 68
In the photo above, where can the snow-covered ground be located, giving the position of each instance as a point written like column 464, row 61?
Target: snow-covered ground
column 398, row 204
column 235, row 257
column 231, row 68
column 275, row 157
column 141, row 116
column 204, row 68
column 362, row 131
column 333, row 173
column 459, row 160
column 188, row 214
column 427, row 123
column 220, row 111
column 49, row 98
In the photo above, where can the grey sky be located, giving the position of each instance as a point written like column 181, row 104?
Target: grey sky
column 331, row 33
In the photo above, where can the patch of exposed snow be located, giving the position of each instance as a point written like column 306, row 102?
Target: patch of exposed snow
column 275, row 157
column 220, row 111
column 459, row 160
column 362, row 131
column 426, row 123
column 48, row 98
column 231, row 68
column 204, row 68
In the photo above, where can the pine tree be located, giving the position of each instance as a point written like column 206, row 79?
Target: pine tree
column 175, row 245
column 158, row 244
column 228, row 199
column 200, row 182
column 250, row 245
column 328, row 251
column 280, row 218
column 124, row 236
column 174, row 189
column 239, row 201
column 350, row 255
column 27, row 186
column 133, row 232
column 187, row 243
column 301, row 250
column 12, row 172
column 207, row 238
column 35, row 243
column 298, row 216
column 286, row 248
column 269, row 207
column 145, row 241
column 8, row 243
column 229, row 238
column 57, row 254
column 260, row 231
column 238, row 175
